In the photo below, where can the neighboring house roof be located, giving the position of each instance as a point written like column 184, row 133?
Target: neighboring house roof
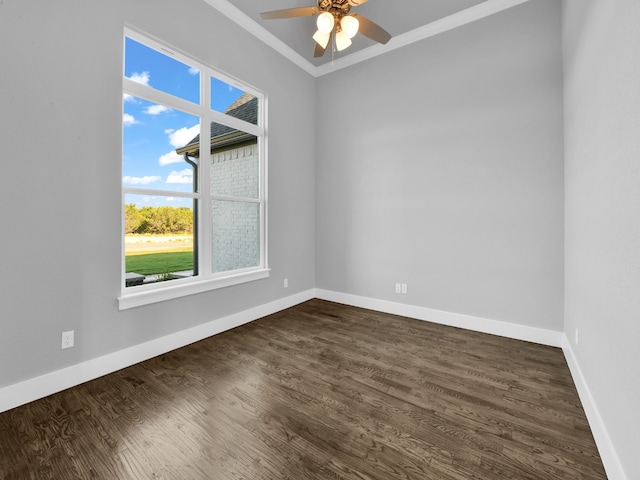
column 244, row 108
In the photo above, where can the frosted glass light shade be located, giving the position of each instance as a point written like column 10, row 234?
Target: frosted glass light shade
column 342, row 40
column 322, row 38
column 350, row 25
column 325, row 22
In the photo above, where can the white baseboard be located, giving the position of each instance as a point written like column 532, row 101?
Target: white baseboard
column 478, row 324
column 552, row 338
column 609, row 457
column 24, row 392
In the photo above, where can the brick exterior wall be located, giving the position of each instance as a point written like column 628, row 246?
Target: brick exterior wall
column 236, row 225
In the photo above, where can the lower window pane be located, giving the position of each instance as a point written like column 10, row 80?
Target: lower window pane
column 236, row 235
column 159, row 233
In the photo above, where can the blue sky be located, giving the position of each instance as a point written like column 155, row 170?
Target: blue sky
column 152, row 132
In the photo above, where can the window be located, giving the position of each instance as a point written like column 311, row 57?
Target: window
column 193, row 176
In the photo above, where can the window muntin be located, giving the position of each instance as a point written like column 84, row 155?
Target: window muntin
column 224, row 189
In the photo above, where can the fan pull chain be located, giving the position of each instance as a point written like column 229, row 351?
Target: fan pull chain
column 333, row 45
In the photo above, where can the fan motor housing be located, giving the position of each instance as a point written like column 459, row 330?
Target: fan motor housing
column 337, row 7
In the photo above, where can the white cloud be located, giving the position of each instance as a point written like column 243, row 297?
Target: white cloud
column 142, row 78
column 128, row 119
column 170, row 157
column 141, row 180
column 179, row 138
column 156, row 109
column 193, row 71
column 185, row 176
column 127, row 98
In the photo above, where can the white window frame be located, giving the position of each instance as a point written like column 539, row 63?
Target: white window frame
column 205, row 280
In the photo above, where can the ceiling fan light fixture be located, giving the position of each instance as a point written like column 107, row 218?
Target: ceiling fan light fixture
column 350, row 25
column 322, row 38
column 325, row 22
column 342, row 40
column 333, row 17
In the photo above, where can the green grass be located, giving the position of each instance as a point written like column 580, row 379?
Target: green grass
column 152, row 263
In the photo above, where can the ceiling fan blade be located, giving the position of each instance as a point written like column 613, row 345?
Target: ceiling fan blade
column 355, row 3
column 290, row 13
column 372, row 30
column 319, row 51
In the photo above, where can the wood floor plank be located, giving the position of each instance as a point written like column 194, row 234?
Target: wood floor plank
column 317, row 391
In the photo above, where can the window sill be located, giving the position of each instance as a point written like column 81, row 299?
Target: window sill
column 159, row 292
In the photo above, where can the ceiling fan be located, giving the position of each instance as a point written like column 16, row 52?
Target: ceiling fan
column 334, row 16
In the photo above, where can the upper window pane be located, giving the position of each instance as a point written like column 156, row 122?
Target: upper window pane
column 235, row 162
column 150, row 67
column 226, row 98
column 160, row 146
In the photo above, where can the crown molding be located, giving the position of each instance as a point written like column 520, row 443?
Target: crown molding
column 234, row 13
column 464, row 17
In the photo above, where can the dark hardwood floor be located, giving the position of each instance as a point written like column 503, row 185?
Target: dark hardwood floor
column 318, row 391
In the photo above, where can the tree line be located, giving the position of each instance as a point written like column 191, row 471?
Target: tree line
column 158, row 220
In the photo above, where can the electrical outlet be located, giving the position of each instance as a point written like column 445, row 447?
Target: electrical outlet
column 67, row 339
column 286, row 283
column 577, row 336
column 404, row 288
column 398, row 288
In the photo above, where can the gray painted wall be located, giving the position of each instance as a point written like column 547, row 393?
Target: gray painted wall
column 440, row 165
column 602, row 111
column 60, row 114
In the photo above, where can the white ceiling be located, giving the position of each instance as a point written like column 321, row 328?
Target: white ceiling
column 406, row 20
